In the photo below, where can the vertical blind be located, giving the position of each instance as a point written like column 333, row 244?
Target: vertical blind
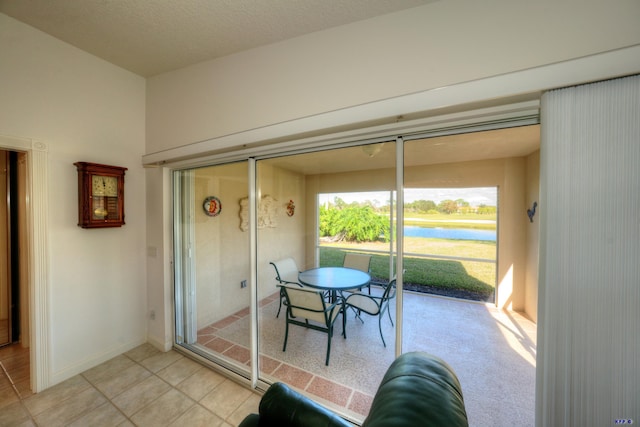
column 589, row 313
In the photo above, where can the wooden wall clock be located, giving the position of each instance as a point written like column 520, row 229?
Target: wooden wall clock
column 100, row 195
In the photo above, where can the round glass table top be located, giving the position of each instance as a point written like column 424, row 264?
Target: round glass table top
column 335, row 278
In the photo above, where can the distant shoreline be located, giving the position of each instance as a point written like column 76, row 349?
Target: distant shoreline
column 469, row 221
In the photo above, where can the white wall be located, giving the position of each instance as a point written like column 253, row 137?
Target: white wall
column 432, row 46
column 85, row 110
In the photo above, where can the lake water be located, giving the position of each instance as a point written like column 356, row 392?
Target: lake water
column 450, row 233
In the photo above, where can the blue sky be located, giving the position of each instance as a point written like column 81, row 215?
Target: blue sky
column 475, row 196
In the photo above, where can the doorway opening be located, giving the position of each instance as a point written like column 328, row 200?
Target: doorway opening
column 13, row 305
column 14, row 312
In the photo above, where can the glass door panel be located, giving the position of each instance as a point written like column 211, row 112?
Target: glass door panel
column 465, row 244
column 314, row 208
column 449, row 240
column 212, row 267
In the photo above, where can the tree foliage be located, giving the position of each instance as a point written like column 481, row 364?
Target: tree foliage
column 353, row 223
column 487, row 210
column 448, row 206
column 369, row 220
column 420, row 206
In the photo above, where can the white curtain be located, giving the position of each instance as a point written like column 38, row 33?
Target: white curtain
column 588, row 363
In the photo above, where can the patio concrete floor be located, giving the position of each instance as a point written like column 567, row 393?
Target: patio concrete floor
column 492, row 351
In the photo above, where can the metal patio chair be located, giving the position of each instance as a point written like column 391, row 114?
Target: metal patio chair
column 307, row 307
column 373, row 305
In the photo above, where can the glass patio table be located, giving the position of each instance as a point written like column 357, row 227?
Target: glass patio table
column 334, row 279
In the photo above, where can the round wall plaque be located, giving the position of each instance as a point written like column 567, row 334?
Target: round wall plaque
column 212, row 206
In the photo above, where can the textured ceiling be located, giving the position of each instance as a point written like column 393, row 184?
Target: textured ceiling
column 149, row 37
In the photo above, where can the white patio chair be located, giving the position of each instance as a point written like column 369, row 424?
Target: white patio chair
column 358, row 262
column 307, row 307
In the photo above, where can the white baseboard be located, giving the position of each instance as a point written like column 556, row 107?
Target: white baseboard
column 90, row 362
column 161, row 345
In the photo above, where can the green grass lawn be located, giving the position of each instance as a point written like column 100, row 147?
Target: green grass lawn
column 467, row 276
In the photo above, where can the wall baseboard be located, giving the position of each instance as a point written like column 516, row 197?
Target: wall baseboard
column 91, row 362
column 161, row 345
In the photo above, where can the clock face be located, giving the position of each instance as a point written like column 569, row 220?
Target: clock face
column 104, row 185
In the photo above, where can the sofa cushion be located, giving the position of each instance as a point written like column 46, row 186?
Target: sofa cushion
column 281, row 407
column 418, row 389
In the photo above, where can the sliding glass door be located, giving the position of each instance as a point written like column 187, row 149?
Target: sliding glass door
column 292, row 224
column 215, row 288
column 236, row 222
column 212, row 264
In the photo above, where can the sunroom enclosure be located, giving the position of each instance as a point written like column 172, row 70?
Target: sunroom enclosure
column 266, row 209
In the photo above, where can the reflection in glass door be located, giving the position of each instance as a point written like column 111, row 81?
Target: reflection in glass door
column 212, row 264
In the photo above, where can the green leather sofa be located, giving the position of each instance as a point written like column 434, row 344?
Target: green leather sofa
column 418, row 389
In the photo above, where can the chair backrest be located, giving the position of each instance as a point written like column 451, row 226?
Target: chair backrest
column 371, row 304
column 306, row 303
column 357, row 261
column 389, row 291
column 286, row 270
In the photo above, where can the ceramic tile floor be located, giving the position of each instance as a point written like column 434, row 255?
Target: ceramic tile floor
column 143, row 387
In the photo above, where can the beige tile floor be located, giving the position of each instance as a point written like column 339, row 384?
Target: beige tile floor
column 143, row 387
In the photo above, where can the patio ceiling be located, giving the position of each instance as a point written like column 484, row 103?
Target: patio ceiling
column 493, row 144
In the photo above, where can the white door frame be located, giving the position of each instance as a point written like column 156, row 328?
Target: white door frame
column 37, row 193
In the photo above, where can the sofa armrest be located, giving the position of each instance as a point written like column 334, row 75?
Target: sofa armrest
column 281, row 406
